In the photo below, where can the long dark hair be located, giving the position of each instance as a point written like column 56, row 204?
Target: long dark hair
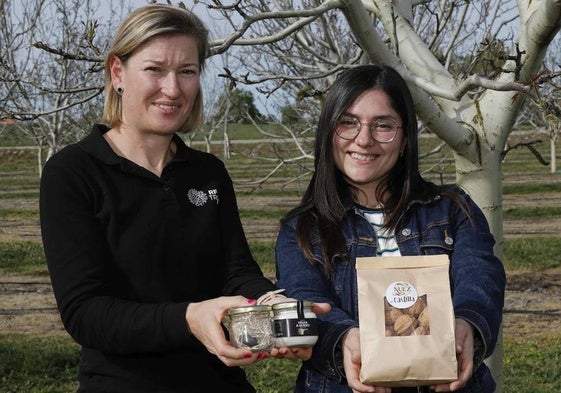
column 324, row 203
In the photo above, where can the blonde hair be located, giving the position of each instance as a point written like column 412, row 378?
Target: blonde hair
column 140, row 26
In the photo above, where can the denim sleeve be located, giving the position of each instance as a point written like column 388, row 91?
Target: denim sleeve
column 478, row 276
column 306, row 281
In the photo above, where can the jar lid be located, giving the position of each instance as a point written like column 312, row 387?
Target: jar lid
column 292, row 305
column 242, row 310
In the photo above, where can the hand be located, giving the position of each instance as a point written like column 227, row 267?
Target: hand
column 292, row 353
column 464, row 354
column 204, row 320
column 352, row 363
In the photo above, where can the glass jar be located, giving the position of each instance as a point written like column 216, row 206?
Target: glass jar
column 294, row 324
column 250, row 327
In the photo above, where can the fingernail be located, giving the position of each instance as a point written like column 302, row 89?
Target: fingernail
column 251, row 301
column 265, row 355
column 248, row 355
column 259, row 355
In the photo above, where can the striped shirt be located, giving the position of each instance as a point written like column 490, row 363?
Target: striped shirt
column 387, row 244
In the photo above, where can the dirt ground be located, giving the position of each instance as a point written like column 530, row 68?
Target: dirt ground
column 532, row 303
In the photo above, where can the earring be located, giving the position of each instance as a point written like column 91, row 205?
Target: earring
column 120, row 90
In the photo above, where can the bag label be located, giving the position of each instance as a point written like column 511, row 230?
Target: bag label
column 401, row 294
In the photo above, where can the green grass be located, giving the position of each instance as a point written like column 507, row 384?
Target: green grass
column 532, row 365
column 31, row 194
column 12, row 135
column 534, row 212
column 263, row 214
column 533, row 253
column 524, row 189
column 264, row 254
column 28, row 258
column 236, row 132
column 22, row 257
column 273, row 375
column 19, row 214
column 33, row 364
column 270, row 192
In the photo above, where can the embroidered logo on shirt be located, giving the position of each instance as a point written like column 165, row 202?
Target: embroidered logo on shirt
column 199, row 198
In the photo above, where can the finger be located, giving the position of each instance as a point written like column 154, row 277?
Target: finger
column 356, row 385
column 228, row 302
column 225, row 349
column 283, row 353
column 441, row 388
column 292, row 353
column 465, row 374
column 321, row 308
column 303, row 353
column 246, row 359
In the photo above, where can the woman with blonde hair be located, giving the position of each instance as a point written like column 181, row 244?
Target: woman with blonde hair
column 142, row 234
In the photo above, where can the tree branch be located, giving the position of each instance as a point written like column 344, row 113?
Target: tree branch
column 23, row 116
column 66, row 55
column 309, row 15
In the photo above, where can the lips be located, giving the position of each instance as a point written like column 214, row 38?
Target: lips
column 363, row 157
column 167, row 107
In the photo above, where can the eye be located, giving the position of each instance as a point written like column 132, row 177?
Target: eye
column 190, row 70
column 152, row 69
column 385, row 125
column 348, row 123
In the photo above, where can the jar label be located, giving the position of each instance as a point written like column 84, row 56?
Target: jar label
column 295, row 327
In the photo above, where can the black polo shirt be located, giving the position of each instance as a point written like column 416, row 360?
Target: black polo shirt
column 128, row 250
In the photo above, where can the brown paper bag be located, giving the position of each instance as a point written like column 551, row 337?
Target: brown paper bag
column 406, row 321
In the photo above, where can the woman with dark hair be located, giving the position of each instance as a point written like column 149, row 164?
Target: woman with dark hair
column 367, row 198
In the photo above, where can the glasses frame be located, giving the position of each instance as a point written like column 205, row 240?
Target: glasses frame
column 369, row 124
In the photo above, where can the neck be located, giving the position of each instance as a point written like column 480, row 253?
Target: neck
column 152, row 152
column 369, row 199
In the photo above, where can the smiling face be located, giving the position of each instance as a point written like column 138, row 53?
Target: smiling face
column 160, row 82
column 363, row 160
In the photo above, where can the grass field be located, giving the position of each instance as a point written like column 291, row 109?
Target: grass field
column 31, row 363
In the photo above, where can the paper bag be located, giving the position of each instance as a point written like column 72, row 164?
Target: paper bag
column 406, row 321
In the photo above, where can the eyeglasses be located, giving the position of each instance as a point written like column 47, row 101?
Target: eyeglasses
column 382, row 130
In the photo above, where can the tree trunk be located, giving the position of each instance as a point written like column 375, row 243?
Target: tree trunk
column 484, row 183
column 553, row 154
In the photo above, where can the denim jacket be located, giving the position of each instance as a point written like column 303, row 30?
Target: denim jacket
column 437, row 226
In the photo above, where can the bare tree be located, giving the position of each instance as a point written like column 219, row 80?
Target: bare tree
column 471, row 66
column 50, row 78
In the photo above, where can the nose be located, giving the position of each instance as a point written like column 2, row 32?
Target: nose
column 364, row 137
column 170, row 85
